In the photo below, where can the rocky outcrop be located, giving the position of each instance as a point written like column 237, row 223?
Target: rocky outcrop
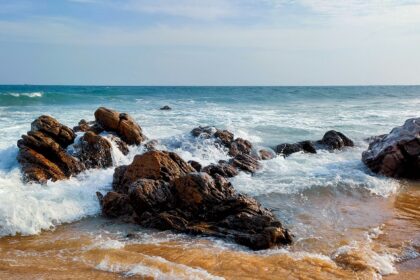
column 155, row 165
column 120, row 123
column 168, row 196
column 332, row 140
column 241, row 150
column 42, row 151
column 396, row 154
column 95, row 151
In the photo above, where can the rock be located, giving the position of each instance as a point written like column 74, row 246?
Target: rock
column 95, row 151
column 287, row 149
column 224, row 136
column 223, row 169
column 245, row 163
column 151, row 145
column 121, row 145
column 150, row 195
column 166, row 108
column 42, row 153
column 398, row 153
column 240, row 146
column 266, row 154
column 334, row 140
column 120, row 123
column 85, row 126
column 53, row 129
column 196, row 165
column 167, row 194
column 155, row 165
column 204, row 131
column 116, row 205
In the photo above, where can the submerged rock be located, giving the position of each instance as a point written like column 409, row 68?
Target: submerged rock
column 266, row 154
column 42, row 151
column 287, row 149
column 166, row 108
column 183, row 200
column 332, row 140
column 396, row 154
column 120, row 123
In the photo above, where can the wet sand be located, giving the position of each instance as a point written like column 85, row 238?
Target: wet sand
column 338, row 235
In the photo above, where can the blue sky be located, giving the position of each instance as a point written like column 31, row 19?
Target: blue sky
column 217, row 42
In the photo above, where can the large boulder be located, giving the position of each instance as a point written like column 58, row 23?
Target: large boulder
column 396, row 154
column 155, row 165
column 197, row 203
column 42, row 152
column 120, row 123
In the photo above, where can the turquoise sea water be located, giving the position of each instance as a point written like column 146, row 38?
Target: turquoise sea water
column 267, row 116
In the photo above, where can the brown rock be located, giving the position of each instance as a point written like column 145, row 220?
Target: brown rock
column 42, row 155
column 116, row 205
column 155, row 165
column 95, row 151
column 223, row 169
column 398, row 153
column 196, row 165
column 287, row 149
column 240, row 146
column 334, row 140
column 120, row 123
column 53, row 129
column 266, row 154
column 245, row 163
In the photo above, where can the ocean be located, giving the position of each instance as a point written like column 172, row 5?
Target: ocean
column 347, row 222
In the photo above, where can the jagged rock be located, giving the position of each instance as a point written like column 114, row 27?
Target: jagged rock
column 115, row 205
column 204, row 131
column 155, row 165
column 85, row 126
column 121, row 145
column 53, row 129
column 166, row 108
column 120, row 123
column 224, row 136
column 42, row 153
column 287, row 149
column 334, row 140
column 246, row 163
column 95, row 151
column 150, row 195
column 398, row 153
column 223, row 168
column 151, row 145
column 266, row 154
column 196, row 165
column 240, row 146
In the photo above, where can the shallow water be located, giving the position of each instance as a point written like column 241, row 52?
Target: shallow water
column 347, row 222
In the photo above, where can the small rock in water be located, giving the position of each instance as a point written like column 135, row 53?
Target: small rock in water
column 396, row 154
column 166, row 108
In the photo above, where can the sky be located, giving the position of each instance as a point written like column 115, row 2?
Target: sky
column 210, row 42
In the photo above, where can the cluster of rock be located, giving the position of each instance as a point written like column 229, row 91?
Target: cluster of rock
column 160, row 190
column 44, row 154
column 332, row 140
column 244, row 156
column 396, row 154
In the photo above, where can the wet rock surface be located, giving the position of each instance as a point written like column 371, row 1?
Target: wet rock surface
column 120, row 123
column 165, row 108
column 396, row 154
column 172, row 196
column 95, row 151
column 42, row 152
column 332, row 140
